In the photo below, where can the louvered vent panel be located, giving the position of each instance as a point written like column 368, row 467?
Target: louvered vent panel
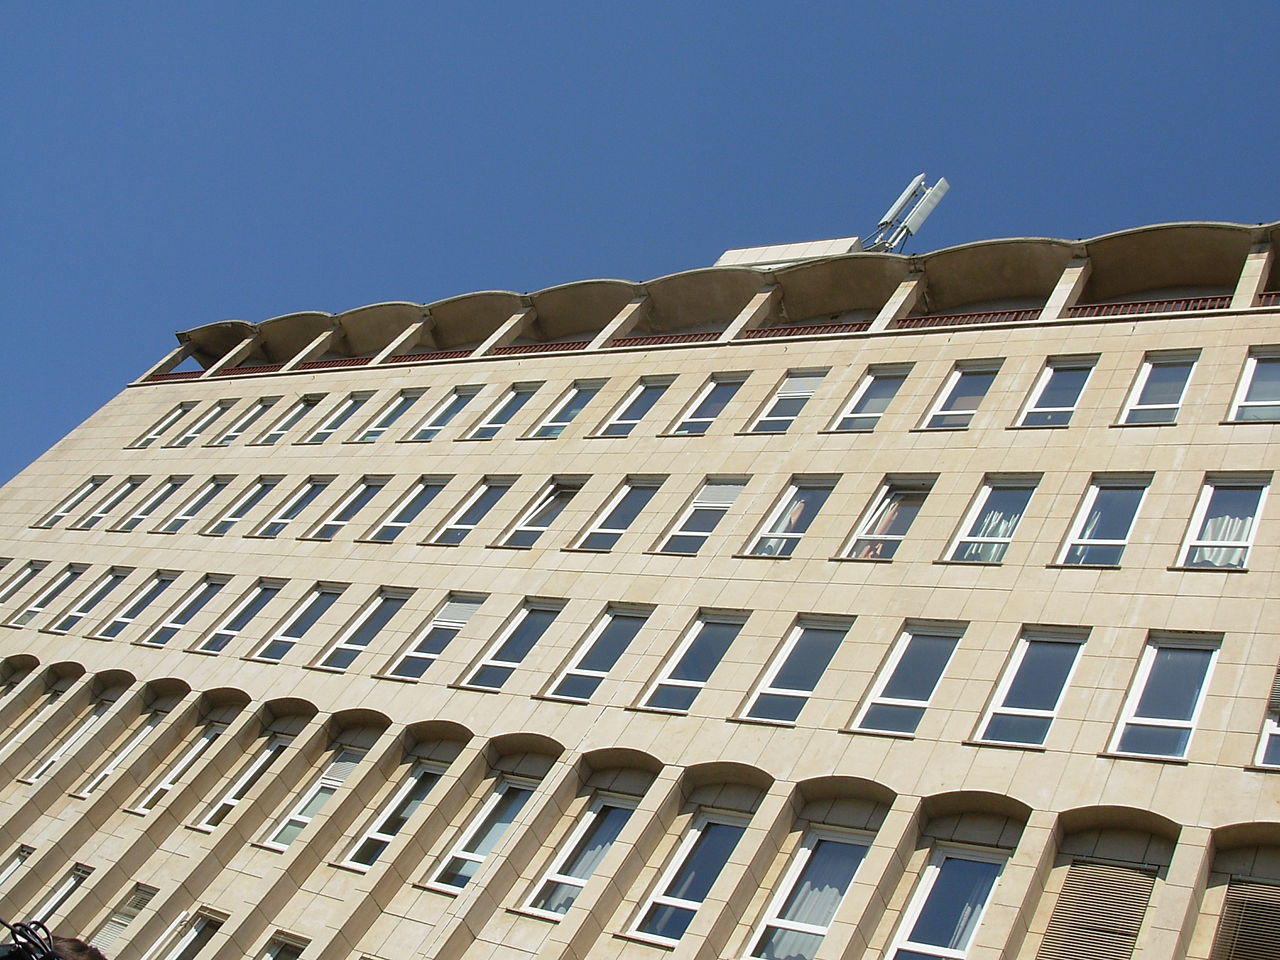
column 110, row 931
column 1273, row 703
column 1098, row 913
column 1250, row 925
column 343, row 764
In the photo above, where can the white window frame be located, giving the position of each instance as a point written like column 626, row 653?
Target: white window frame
column 1034, row 398
column 442, row 414
column 125, row 912
column 1270, row 731
column 1240, row 402
column 21, row 577
column 765, row 686
column 575, row 668
column 284, row 947
column 73, row 500
column 332, row 779
column 704, row 502
column 248, row 499
column 168, row 780
column 157, row 429
column 386, row 418
column 291, row 417
column 555, row 421
column 490, row 657
column 497, row 485
column 1010, row 674
column 240, row 426
column 76, row 732
column 1138, row 686
column 568, row 848
column 135, row 604
column 687, row 638
column 920, row 898
column 940, row 409
column 439, row 620
column 466, row 836
column 54, row 589
column 346, row 509
column 809, row 380
column 71, row 881
column 1192, row 540
column 302, row 497
column 182, row 612
column 621, row 421
column 688, row 422
column 786, row 541
column 355, row 637
column 347, row 408
column 151, row 504
column 512, row 401
column 202, row 423
column 851, row 408
column 250, row 605
column 101, row 589
column 546, row 498
column 249, row 775
column 113, row 762
column 395, row 521
column 874, row 513
column 1075, row 538
column 1149, row 362
column 193, row 931
column 963, row 538
column 108, row 503
column 304, row 616
column 876, row 697
column 204, row 496
column 11, row 866
column 423, row 774
column 598, row 527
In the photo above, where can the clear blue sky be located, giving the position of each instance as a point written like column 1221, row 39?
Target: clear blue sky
column 171, row 164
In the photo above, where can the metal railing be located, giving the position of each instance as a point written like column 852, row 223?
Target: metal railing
column 1176, row 305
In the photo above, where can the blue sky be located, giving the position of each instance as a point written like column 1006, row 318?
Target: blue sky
column 171, row 164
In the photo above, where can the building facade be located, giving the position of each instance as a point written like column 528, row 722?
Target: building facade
column 873, row 606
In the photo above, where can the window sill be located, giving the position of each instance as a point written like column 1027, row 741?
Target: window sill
column 535, row 914
column 26, row 780
column 438, row 888
column 359, row 868
column 761, row 722
column 133, row 811
column 252, row 659
column 552, row 698
column 508, row 546
column 1144, row 757
column 864, row 560
column 474, row 439
column 1082, row 566
column 388, row 676
column 686, row 435
column 585, row 550
column 1038, row 426
column 838, row 432
column 889, row 734
column 1243, row 423
column 1002, row 745
column 197, row 827
column 760, row 556
column 1129, row 426
column 320, row 668
column 432, row 543
column 1176, row 569
column 204, row 653
column 556, row 437
column 78, row 795
column 473, row 689
column 937, row 429
column 1261, row 768
column 644, row 938
column 667, row 553
column 968, row 563
column 273, row 848
column 661, row 711
column 759, row 433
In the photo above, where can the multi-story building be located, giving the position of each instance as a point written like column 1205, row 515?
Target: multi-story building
column 867, row 606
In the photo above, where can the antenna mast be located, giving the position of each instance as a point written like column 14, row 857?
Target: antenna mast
column 904, row 218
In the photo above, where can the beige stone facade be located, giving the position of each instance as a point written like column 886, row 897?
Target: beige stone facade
column 874, row 606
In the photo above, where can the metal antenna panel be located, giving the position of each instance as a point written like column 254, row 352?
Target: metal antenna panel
column 904, row 218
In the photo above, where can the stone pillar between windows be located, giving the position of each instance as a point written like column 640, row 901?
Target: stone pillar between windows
column 854, row 927
column 170, row 360
column 1253, row 276
column 232, row 357
column 1013, row 902
column 765, row 304
column 1067, row 290
column 312, row 350
column 1171, row 916
column 406, row 341
column 632, row 313
column 507, row 332
column 53, row 721
column 901, row 303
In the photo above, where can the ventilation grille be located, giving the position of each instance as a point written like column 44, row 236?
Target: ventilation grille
column 1098, row 913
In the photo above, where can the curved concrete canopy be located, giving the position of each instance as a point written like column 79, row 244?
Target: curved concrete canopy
column 471, row 317
column 367, row 330
column 283, row 337
column 975, row 801
column 698, row 298
column 583, row 307
column 992, row 270
column 857, row 281
column 213, row 341
column 1117, row 818
column 1166, row 255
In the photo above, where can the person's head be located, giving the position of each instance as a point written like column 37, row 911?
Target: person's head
column 69, row 948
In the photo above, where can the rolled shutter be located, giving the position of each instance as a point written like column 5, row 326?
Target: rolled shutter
column 1273, row 702
column 124, row 914
column 1099, row 912
column 1250, row 924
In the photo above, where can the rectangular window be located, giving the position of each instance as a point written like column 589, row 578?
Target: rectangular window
column 580, row 855
column 113, row 762
column 1258, row 397
column 960, row 396
column 619, row 513
column 688, row 878
column 480, row 501
column 203, row 741
column 1157, row 393
column 407, row 509
column 95, row 595
column 282, row 949
column 1165, row 698
column 888, row 518
column 391, row 819
column 789, row 520
column 77, row 497
column 434, row 636
column 482, row 834
column 796, row 670
column 74, row 734
column 512, row 645
column 289, row 419
column 125, row 913
column 340, row 415
column 59, row 585
column 442, row 413
column 191, row 604
column 1269, row 745
column 15, row 862
column 387, row 417
column 1101, row 528
column 567, row 408
column 249, row 775
column 700, row 518
column 344, row 511
column 314, row 798
column 240, row 426
column 241, row 616
column 708, row 403
column 1031, row 689
column 787, row 401
column 944, row 913
column 293, row 628
column 991, row 522
column 201, row 424
column 301, row 499
column 71, row 881
column 502, row 411
column 1057, row 391
column 243, row 504
column 189, row 510
column 908, row 679
column 1224, row 522
column 133, row 607
column 606, row 642
column 151, row 504
column 109, row 503
column 628, row 414
column 369, row 622
column 195, row 937
column 541, row 513
column 871, row 399
column 801, row 912
column 692, row 662
column 21, row 578
column 157, row 429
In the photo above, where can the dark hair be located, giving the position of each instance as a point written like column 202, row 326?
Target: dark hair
column 70, row 948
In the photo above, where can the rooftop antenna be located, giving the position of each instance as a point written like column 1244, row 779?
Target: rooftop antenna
column 904, row 218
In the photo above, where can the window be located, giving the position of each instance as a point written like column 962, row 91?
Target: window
column 1157, row 393
column 801, row 912
column 125, row 913
column 204, row 739
column 578, row 858
column 357, row 499
column 240, row 426
column 195, row 937
column 569, row 406
column 482, row 834
column 151, row 504
column 289, row 419
column 947, row 907
column 699, row 519
column 250, row 774
column 141, row 598
column 435, row 635
column 188, row 511
column 294, row 627
column 187, row 608
column 1057, row 391
column 618, row 514
column 202, row 423
column 164, row 423
column 992, row 520
column 407, row 509
column 1028, row 695
column 443, row 413
column 628, row 414
column 790, row 519
column 1165, row 698
column 284, row 949
column 77, row 497
column 315, row 797
column 472, row 511
column 96, row 594
column 75, row 732
column 787, row 401
column 502, row 412
column 71, row 881
column 241, row 615
column 21, row 578
column 15, row 862
column 377, row 613
column 246, row 502
column 387, row 418
column 707, row 404
column 871, row 399
column 301, row 499
column 69, row 575
column 392, row 818
column 685, row 883
column 796, row 670
column 548, row 505
column 1101, row 528
column 114, row 761
column 961, row 395
column 908, row 679
column 1100, row 908
column 695, row 658
column 1247, row 930
column 341, row 414
column 606, row 642
column 1258, row 397
column 512, row 645
column 1224, row 523
column 887, row 519
column 109, row 503
column 1269, row 745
